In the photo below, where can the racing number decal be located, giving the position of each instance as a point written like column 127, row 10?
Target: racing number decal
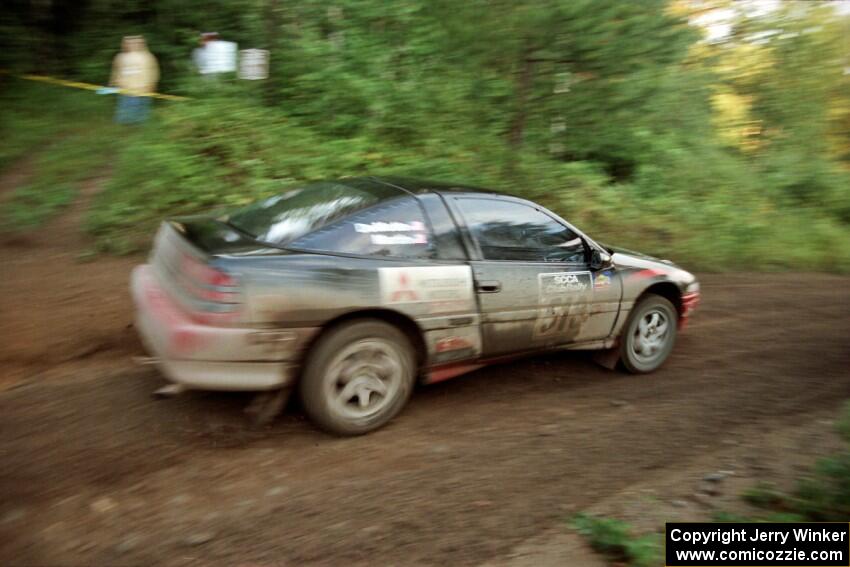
column 564, row 300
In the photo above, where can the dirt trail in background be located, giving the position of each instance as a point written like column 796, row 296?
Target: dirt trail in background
column 56, row 307
column 15, row 176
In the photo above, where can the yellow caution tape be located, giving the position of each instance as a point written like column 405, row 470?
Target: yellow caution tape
column 88, row 86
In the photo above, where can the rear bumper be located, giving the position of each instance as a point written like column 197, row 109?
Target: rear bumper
column 227, row 376
column 207, row 357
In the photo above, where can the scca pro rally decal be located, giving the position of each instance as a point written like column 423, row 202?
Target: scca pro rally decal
column 562, row 283
column 564, row 299
column 442, row 288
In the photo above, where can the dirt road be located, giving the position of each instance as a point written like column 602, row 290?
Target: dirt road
column 96, row 472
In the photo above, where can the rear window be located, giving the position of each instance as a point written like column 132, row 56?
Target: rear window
column 292, row 214
column 394, row 228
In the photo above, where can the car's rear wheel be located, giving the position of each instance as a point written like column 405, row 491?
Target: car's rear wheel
column 649, row 335
column 358, row 377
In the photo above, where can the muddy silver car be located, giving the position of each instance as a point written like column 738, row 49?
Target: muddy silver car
column 351, row 291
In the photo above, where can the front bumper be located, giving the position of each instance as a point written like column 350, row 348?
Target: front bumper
column 207, row 357
column 690, row 301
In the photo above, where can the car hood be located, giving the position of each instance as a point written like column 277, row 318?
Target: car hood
column 639, row 255
column 625, row 258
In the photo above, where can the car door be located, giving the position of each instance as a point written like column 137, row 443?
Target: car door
column 403, row 255
column 534, row 285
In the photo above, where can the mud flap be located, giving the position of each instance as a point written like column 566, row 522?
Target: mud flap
column 607, row 358
column 266, row 406
column 169, row 391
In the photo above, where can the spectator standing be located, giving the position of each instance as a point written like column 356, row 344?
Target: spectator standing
column 201, row 55
column 136, row 73
column 214, row 56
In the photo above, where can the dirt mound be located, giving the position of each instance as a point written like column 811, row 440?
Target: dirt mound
column 56, row 307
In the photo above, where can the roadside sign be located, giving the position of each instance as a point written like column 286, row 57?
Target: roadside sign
column 253, row 64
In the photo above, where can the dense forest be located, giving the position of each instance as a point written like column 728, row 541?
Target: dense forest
column 714, row 131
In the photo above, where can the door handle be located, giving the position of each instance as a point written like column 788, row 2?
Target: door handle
column 489, row 286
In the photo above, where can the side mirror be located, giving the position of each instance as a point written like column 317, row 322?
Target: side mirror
column 599, row 260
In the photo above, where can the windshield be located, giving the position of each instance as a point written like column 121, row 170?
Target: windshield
column 285, row 217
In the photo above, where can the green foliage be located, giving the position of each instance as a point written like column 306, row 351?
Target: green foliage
column 35, row 115
column 62, row 162
column 764, row 495
column 596, row 108
column 794, row 77
column 32, row 205
column 724, row 516
column 822, row 496
column 825, row 495
column 707, row 211
column 614, row 539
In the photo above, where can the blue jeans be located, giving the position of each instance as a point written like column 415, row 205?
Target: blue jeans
column 132, row 109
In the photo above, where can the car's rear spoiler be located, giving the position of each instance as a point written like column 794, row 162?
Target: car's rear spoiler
column 218, row 238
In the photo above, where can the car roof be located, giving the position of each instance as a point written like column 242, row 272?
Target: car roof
column 420, row 186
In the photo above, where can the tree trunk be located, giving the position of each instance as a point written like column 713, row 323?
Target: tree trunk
column 523, row 91
column 273, row 22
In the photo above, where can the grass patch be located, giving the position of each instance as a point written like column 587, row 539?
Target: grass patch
column 66, row 149
column 56, row 175
column 33, row 204
column 36, row 115
column 764, row 495
column 823, row 495
column 614, row 539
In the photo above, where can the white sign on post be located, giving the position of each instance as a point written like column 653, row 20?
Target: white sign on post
column 253, row 64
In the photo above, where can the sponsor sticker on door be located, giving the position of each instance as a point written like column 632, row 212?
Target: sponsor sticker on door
column 442, row 288
column 564, row 283
column 602, row 279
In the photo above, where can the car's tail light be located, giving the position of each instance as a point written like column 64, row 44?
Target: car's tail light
column 217, row 293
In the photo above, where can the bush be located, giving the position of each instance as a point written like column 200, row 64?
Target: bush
column 821, row 496
column 32, row 117
column 56, row 173
column 614, row 539
column 703, row 206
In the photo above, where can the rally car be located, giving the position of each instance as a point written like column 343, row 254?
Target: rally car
column 351, row 291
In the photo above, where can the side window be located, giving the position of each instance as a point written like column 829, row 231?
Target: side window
column 394, row 228
column 445, row 234
column 513, row 231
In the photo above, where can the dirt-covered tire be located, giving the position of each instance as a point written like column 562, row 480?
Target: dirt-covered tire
column 357, row 377
column 649, row 334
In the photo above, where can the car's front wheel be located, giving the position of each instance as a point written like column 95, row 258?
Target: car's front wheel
column 358, row 377
column 649, row 335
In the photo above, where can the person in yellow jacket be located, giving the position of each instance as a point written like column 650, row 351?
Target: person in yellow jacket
column 135, row 73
